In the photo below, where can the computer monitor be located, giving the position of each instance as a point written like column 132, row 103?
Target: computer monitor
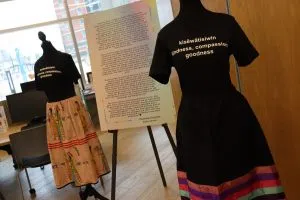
column 24, row 107
column 28, row 86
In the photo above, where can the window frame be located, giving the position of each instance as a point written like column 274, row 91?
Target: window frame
column 67, row 20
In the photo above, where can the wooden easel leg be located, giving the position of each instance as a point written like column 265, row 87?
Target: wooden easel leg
column 170, row 138
column 114, row 164
column 157, row 156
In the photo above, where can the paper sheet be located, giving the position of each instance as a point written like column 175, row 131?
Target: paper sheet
column 121, row 43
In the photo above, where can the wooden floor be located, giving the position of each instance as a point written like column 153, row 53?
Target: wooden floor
column 137, row 173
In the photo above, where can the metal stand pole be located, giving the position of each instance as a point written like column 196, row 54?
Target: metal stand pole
column 157, row 156
column 170, row 138
column 114, row 164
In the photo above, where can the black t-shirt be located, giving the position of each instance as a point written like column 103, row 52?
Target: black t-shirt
column 200, row 52
column 56, row 74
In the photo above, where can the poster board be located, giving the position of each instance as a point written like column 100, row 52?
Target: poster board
column 121, row 44
column 3, row 121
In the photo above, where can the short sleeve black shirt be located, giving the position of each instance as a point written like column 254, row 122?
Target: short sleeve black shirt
column 56, row 75
column 200, row 53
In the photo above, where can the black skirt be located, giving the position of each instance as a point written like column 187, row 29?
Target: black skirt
column 222, row 151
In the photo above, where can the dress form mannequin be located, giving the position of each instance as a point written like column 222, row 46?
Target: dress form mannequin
column 49, row 51
column 50, row 55
column 192, row 12
column 191, row 8
column 61, row 69
column 48, row 48
column 221, row 148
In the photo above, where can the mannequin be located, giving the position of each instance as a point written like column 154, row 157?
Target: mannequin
column 53, row 57
column 42, row 36
column 221, row 148
column 48, row 48
column 190, row 8
column 76, row 154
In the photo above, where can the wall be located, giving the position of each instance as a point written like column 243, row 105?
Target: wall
column 272, row 83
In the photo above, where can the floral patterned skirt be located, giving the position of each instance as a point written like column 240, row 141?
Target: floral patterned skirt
column 75, row 151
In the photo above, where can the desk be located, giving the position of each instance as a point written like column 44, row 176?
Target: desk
column 90, row 99
column 89, row 94
column 4, row 137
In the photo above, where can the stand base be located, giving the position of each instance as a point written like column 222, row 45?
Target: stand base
column 89, row 192
column 115, row 154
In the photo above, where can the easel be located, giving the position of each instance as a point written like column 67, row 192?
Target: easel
column 115, row 153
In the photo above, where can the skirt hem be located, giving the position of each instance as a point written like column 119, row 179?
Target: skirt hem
column 84, row 184
column 260, row 183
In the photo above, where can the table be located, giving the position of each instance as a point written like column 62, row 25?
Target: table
column 90, row 99
column 15, row 128
column 4, row 143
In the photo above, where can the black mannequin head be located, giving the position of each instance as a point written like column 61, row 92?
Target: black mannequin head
column 42, row 36
column 47, row 46
column 191, row 7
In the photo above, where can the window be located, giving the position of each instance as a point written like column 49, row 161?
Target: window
column 21, row 13
column 96, row 7
column 18, row 53
column 83, row 6
column 21, row 20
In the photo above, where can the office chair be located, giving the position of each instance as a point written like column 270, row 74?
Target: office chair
column 30, row 150
column 3, row 156
column 41, row 121
column 1, row 196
